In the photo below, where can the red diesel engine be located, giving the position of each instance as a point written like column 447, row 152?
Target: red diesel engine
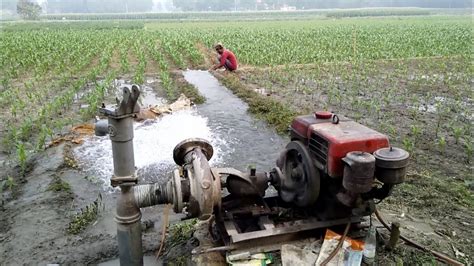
column 331, row 164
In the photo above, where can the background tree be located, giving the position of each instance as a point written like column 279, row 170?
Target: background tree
column 28, row 10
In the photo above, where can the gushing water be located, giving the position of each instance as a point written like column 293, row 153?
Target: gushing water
column 153, row 145
column 238, row 139
column 253, row 142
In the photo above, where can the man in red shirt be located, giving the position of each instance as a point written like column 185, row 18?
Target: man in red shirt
column 226, row 58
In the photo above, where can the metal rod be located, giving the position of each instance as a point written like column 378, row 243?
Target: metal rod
column 214, row 249
column 439, row 256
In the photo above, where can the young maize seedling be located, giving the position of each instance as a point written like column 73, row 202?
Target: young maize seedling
column 409, row 146
column 10, row 183
column 442, row 144
column 469, row 148
column 21, row 156
column 457, row 132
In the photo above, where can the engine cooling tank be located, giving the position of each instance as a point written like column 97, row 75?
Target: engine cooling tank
column 391, row 165
column 359, row 168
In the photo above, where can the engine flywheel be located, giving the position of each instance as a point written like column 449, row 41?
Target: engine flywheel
column 301, row 181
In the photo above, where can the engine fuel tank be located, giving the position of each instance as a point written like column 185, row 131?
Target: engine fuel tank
column 344, row 137
column 330, row 138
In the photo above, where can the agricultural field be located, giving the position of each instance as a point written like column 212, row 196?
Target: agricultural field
column 409, row 77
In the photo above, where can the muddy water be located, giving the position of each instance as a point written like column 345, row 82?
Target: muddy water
column 251, row 141
column 153, row 146
column 238, row 139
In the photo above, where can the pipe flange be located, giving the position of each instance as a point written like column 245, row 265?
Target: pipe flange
column 188, row 145
column 123, row 180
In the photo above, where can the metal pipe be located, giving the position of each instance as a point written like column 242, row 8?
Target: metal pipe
column 121, row 135
column 152, row 194
column 132, row 197
column 129, row 232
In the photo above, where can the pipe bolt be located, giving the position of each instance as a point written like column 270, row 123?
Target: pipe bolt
column 205, row 184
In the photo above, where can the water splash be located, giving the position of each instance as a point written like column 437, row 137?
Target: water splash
column 238, row 139
column 154, row 141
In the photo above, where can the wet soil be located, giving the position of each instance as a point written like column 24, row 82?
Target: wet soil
column 35, row 220
column 35, row 215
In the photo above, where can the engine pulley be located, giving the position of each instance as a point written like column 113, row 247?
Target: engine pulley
column 300, row 180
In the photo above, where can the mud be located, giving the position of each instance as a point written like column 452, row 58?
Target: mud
column 34, row 220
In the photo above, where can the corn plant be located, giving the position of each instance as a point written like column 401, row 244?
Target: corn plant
column 409, row 146
column 21, row 156
column 457, row 133
column 442, row 144
column 469, row 148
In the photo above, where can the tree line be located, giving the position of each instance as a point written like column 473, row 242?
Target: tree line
column 221, row 5
column 128, row 6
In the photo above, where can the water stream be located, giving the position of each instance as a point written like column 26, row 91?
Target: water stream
column 251, row 141
column 239, row 140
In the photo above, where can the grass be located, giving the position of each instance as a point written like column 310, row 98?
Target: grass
column 58, row 185
column 180, row 233
column 423, row 190
column 86, row 216
column 266, row 108
column 403, row 255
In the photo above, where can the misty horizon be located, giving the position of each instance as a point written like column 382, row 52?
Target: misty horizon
column 167, row 6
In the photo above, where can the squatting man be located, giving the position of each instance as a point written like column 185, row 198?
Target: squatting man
column 225, row 57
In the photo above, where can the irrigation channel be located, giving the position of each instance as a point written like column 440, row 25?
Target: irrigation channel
column 239, row 140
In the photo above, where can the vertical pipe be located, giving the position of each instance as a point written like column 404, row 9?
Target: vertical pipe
column 121, row 135
column 129, row 231
column 128, row 214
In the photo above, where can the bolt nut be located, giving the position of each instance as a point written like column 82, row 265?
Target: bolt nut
column 112, row 130
column 205, row 184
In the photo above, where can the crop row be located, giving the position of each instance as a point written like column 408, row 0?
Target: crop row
column 49, row 70
column 249, row 15
column 307, row 42
column 422, row 104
